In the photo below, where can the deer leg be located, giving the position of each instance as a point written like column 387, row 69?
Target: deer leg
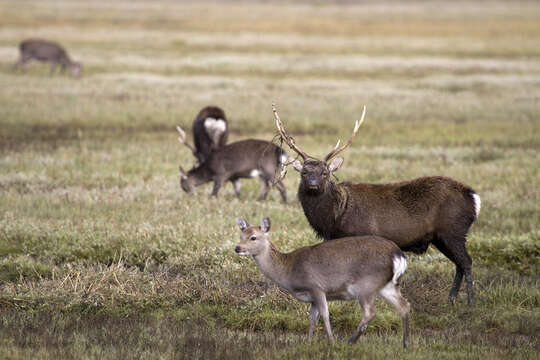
column 53, row 68
column 218, row 182
column 457, row 284
column 282, row 190
column 264, row 188
column 392, row 295
column 313, row 319
column 368, row 312
column 454, row 249
column 322, row 306
column 470, row 290
column 237, row 187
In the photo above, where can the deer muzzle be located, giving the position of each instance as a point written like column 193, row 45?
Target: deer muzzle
column 239, row 250
column 313, row 184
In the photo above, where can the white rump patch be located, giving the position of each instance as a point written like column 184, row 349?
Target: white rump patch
column 400, row 265
column 477, row 203
column 215, row 128
column 254, row 173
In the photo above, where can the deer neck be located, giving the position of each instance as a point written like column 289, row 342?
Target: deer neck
column 200, row 175
column 323, row 210
column 275, row 265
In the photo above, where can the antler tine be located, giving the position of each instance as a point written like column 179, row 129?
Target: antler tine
column 287, row 138
column 182, row 138
column 337, row 149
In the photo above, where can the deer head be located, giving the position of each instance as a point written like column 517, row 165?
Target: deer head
column 315, row 174
column 76, row 69
column 186, row 182
column 253, row 240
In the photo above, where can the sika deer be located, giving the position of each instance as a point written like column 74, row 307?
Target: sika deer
column 412, row 214
column 46, row 51
column 352, row 268
column 242, row 159
column 210, row 131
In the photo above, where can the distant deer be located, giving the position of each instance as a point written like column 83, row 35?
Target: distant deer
column 46, row 51
column 351, row 268
column 242, row 159
column 413, row 214
column 210, row 131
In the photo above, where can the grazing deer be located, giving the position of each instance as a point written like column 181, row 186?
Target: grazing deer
column 210, row 131
column 351, row 268
column 413, row 214
column 242, row 159
column 46, row 51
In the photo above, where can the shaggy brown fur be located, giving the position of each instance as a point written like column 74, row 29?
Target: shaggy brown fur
column 413, row 214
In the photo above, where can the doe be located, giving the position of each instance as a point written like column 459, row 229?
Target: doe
column 351, row 268
column 46, row 51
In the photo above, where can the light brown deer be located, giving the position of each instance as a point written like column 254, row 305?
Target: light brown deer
column 354, row 268
column 412, row 214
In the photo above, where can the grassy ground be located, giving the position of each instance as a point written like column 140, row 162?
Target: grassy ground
column 102, row 255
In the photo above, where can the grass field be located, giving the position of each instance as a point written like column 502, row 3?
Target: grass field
column 103, row 256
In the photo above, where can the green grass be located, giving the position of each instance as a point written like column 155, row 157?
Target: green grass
column 103, row 256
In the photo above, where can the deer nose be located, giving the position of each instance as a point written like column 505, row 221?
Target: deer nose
column 237, row 249
column 313, row 182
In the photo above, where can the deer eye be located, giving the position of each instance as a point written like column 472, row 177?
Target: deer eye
column 253, row 238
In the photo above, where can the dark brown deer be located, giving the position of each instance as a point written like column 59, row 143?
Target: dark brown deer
column 353, row 268
column 210, row 131
column 46, row 51
column 413, row 214
column 242, row 159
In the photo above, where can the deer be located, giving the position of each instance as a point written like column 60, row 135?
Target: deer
column 351, row 268
column 413, row 214
column 210, row 131
column 250, row 158
column 46, row 51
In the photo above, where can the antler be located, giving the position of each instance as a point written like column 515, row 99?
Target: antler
column 182, row 138
column 337, row 149
column 287, row 138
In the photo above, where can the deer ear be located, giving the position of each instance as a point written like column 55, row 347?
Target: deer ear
column 297, row 165
column 335, row 164
column 183, row 174
column 242, row 224
column 265, row 225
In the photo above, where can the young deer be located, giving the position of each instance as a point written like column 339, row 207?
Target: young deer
column 352, row 268
column 412, row 214
column 46, row 51
column 242, row 159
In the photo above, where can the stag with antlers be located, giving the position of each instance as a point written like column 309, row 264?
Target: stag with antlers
column 413, row 214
